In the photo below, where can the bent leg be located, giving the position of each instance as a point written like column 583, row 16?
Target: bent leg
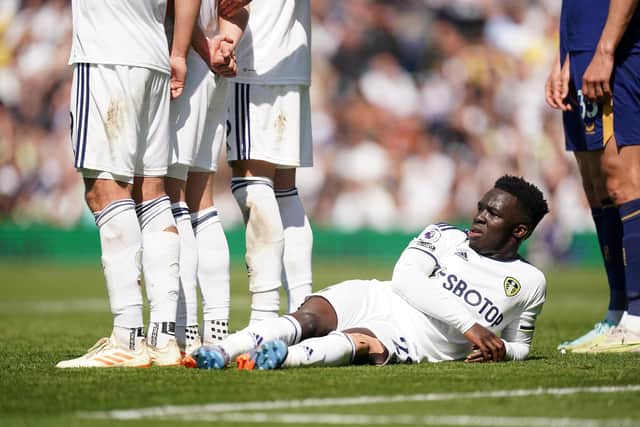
column 351, row 346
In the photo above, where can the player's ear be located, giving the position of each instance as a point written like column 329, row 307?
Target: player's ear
column 521, row 231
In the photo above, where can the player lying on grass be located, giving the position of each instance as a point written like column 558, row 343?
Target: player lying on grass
column 452, row 293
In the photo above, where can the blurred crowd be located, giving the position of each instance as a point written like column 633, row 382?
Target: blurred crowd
column 418, row 106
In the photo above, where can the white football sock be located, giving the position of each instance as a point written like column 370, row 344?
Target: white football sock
column 187, row 336
column 335, row 349
column 214, row 331
column 285, row 328
column 298, row 244
column 630, row 322
column 121, row 246
column 264, row 242
column 160, row 258
column 187, row 313
column 264, row 305
column 160, row 333
column 213, row 266
column 131, row 338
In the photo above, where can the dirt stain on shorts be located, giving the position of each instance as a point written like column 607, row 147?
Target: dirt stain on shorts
column 280, row 124
column 114, row 119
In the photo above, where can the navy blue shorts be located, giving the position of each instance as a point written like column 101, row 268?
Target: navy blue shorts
column 591, row 124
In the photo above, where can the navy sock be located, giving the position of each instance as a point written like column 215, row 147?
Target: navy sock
column 609, row 229
column 630, row 215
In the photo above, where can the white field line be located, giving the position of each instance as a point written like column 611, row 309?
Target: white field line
column 448, row 420
column 175, row 411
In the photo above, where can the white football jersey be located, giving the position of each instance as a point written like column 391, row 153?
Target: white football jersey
column 275, row 47
column 120, row 32
column 503, row 296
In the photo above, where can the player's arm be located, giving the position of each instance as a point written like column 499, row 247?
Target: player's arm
column 232, row 28
column 229, row 8
column 184, row 18
column 596, row 78
column 518, row 335
column 218, row 52
column 411, row 281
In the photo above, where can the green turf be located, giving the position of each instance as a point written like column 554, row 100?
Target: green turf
column 49, row 313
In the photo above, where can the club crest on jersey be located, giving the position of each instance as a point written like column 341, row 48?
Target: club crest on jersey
column 462, row 254
column 511, row 286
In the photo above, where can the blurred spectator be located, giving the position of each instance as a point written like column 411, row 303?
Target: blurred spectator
column 417, row 106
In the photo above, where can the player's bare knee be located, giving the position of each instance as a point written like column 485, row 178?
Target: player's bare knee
column 246, row 168
column 284, row 179
column 172, row 229
column 316, row 317
column 100, row 192
column 311, row 323
column 148, row 188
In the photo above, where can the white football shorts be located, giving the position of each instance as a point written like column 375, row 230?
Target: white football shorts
column 198, row 121
column 270, row 123
column 372, row 304
column 119, row 121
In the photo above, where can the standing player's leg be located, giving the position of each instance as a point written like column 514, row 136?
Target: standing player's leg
column 187, row 334
column 252, row 187
column 626, row 191
column 269, row 129
column 160, row 267
column 120, row 243
column 98, row 149
column 587, row 133
column 609, row 233
column 160, row 240
column 623, row 183
column 197, row 130
column 625, row 188
column 298, row 239
column 213, row 257
column 621, row 164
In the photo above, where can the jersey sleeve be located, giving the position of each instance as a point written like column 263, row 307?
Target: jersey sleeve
column 518, row 335
column 414, row 268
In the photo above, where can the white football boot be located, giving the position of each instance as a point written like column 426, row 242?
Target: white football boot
column 106, row 353
column 169, row 355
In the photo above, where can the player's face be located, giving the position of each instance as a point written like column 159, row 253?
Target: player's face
column 492, row 230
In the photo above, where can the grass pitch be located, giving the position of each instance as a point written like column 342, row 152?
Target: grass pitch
column 49, row 313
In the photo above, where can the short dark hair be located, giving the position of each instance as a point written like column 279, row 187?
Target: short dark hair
column 529, row 196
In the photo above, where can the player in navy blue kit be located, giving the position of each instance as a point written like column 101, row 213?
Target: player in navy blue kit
column 596, row 83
